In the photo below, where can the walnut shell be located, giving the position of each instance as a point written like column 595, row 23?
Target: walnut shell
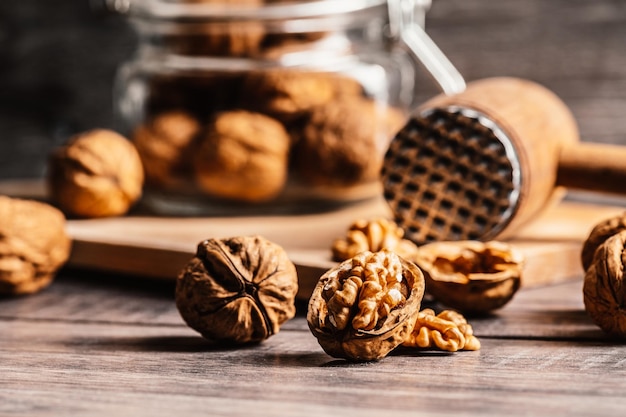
column 598, row 235
column 604, row 288
column 243, row 157
column 341, row 144
column 164, row 145
column 33, row 245
column 96, row 174
column 471, row 276
column 366, row 306
column 237, row 290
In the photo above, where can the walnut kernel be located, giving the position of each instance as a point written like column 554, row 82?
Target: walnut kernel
column 604, row 289
column 447, row 330
column 33, row 245
column 471, row 276
column 96, row 174
column 237, row 290
column 373, row 235
column 366, row 306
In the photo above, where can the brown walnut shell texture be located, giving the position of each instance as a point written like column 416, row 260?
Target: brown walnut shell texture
column 33, row 245
column 471, row 276
column 598, row 235
column 237, row 290
column 358, row 344
column 96, row 174
column 604, row 289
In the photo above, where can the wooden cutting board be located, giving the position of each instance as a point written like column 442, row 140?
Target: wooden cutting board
column 158, row 247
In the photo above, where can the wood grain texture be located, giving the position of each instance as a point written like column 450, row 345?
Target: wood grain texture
column 110, row 348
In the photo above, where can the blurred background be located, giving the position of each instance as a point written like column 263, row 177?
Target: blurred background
column 58, row 59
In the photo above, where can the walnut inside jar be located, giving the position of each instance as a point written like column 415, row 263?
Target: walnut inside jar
column 164, row 145
column 471, row 276
column 225, row 37
column 33, row 245
column 243, row 157
column 237, row 290
column 366, row 306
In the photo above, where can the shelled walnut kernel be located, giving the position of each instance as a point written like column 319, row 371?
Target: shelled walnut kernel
column 604, row 289
column 366, row 306
column 373, row 235
column 447, row 330
column 471, row 276
column 96, row 174
column 33, row 245
column 237, row 290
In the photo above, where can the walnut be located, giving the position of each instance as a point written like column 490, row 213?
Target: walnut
column 97, row 174
column 290, row 94
column 471, row 276
column 243, row 157
column 241, row 38
column 599, row 234
column 33, row 245
column 164, row 145
column 366, row 306
column 373, row 235
column 604, row 289
column 237, row 290
column 342, row 144
column 447, row 330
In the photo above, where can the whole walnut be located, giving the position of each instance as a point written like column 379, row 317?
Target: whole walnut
column 598, row 235
column 237, row 290
column 342, row 144
column 604, row 289
column 33, row 245
column 243, row 157
column 366, row 306
column 164, row 145
column 288, row 94
column 96, row 174
column 223, row 38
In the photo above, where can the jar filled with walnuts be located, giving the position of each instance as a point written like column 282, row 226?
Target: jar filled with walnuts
column 270, row 105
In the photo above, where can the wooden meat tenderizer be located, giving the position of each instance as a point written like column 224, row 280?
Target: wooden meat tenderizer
column 481, row 163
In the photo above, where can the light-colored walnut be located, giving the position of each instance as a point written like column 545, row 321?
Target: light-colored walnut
column 447, row 330
column 373, row 235
column 33, row 245
column 97, row 174
column 604, row 289
column 243, row 157
column 471, row 276
column 366, row 306
column 237, row 290
column 598, row 235
column 164, row 145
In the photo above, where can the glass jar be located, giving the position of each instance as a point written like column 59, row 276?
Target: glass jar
column 255, row 106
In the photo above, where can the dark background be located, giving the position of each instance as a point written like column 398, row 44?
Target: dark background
column 58, row 60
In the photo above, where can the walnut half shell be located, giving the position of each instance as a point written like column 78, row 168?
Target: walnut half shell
column 471, row 276
column 366, row 306
column 237, row 290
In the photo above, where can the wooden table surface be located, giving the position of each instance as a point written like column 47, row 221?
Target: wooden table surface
column 109, row 345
